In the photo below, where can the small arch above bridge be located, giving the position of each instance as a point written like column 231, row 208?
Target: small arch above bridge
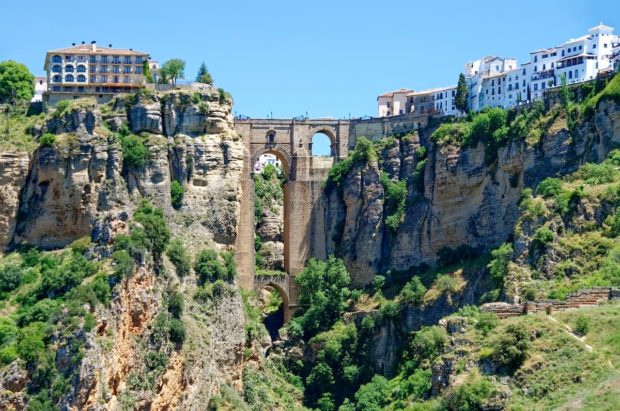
column 282, row 286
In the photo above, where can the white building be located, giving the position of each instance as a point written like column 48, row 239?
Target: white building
column 265, row 159
column 393, row 103
column 500, row 82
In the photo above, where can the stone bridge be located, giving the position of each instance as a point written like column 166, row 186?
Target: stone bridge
column 291, row 142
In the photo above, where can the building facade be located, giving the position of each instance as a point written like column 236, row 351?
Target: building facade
column 40, row 87
column 88, row 70
column 500, row 82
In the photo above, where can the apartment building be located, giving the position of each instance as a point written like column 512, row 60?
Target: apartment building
column 393, row 103
column 89, row 70
column 500, row 82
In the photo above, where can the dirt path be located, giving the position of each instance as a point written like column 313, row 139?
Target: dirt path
column 570, row 332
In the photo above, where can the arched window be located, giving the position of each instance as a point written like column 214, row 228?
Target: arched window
column 69, row 78
column 56, row 59
column 81, row 69
column 271, row 137
column 56, row 69
column 321, row 145
column 57, row 79
column 81, row 78
column 69, row 69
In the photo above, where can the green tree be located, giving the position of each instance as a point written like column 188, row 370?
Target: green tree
column 209, row 268
column 498, row 267
column 322, row 294
column 461, row 94
column 146, row 70
column 173, row 70
column 203, row 75
column 176, row 194
column 179, row 257
column 16, row 83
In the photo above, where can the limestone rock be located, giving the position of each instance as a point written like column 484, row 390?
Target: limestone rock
column 13, row 174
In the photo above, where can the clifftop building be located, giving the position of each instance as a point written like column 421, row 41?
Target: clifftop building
column 88, row 70
column 500, row 82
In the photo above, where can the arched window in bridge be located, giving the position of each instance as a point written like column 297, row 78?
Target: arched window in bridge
column 321, row 145
column 271, row 137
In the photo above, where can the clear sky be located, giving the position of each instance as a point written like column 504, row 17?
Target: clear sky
column 286, row 58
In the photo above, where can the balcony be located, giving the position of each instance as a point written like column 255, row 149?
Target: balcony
column 541, row 75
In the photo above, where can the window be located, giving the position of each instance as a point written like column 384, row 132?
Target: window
column 56, row 59
column 104, row 79
column 81, row 58
column 126, row 80
column 535, row 59
column 580, row 47
column 543, row 85
column 271, row 136
column 127, row 69
column 499, row 90
column 127, row 60
column 93, row 59
column 535, row 69
column 56, row 69
column 56, row 79
column 139, row 60
column 492, row 82
column 81, row 69
column 138, row 70
column 545, row 56
column 116, row 79
column 116, row 69
column 594, row 46
column 56, row 88
column 104, row 69
column 68, row 58
column 81, row 78
column 92, row 69
column 552, row 65
column 116, row 60
column 536, row 86
column 93, row 79
column 69, row 69
column 576, row 73
column 69, row 78
column 605, row 45
column 509, row 87
column 544, row 67
column 562, row 53
column 570, row 74
column 104, row 59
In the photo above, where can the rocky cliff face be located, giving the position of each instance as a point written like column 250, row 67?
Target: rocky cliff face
column 465, row 202
column 78, row 185
column 13, row 168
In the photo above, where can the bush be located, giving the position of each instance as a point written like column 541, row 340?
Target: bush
column 209, row 268
column 498, row 267
column 446, row 284
column 176, row 194
column 550, row 187
column 427, row 344
column 486, row 322
column 175, row 304
column 510, row 350
column 582, row 324
column 135, row 152
column 471, row 395
column 597, row 173
column 31, row 345
column 412, row 293
column 123, row 264
column 390, row 309
column 155, row 227
column 10, row 277
column 378, row 283
column 47, row 140
column 179, row 257
column 373, row 395
column 395, row 200
column 177, row 331
column 543, row 236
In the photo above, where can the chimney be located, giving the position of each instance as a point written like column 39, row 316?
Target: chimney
column 94, row 44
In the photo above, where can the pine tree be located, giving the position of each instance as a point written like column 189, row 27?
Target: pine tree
column 461, row 94
column 203, row 75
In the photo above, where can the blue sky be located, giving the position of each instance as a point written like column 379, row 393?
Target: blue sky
column 286, row 58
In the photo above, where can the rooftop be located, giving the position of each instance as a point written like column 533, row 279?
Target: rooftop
column 94, row 49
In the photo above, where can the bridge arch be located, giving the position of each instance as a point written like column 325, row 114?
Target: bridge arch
column 327, row 131
column 280, row 154
column 281, row 286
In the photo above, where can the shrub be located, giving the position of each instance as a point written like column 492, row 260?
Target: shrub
column 378, row 283
column 412, row 293
column 597, row 173
column 446, row 284
column 177, row 331
column 31, row 345
column 81, row 245
column 395, row 197
column 390, row 309
column 61, row 107
column 373, row 395
column 176, row 194
column 230, row 264
column 582, row 324
column 418, row 384
column 510, row 350
column 61, row 277
column 179, row 257
column 47, row 140
column 550, row 187
column 543, row 236
column 10, row 277
column 155, row 227
column 471, row 395
column 498, row 267
column 427, row 344
column 175, row 304
column 208, row 267
column 135, row 152
column 123, row 263
column 486, row 322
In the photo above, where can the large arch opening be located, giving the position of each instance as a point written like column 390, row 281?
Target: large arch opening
column 273, row 302
column 270, row 192
column 322, row 145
